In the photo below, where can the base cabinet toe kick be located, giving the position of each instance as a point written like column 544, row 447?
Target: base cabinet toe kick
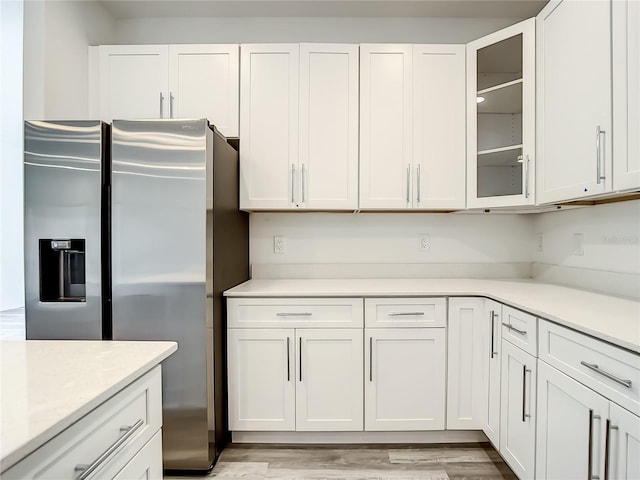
column 551, row 400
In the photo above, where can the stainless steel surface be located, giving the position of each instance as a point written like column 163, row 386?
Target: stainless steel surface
column 514, row 329
column 406, row 314
column 303, row 182
column 408, row 183
column 293, row 183
column 610, row 376
column 418, row 182
column 293, row 314
column 62, row 195
column 159, row 242
column 371, row 359
column 161, row 105
column 288, row 360
column 85, row 471
column 525, row 415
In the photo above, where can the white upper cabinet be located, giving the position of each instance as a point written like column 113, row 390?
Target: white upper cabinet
column 412, row 130
column 204, row 83
column 133, row 81
column 168, row 81
column 328, row 153
column 574, row 100
column 626, row 94
column 438, row 127
column 299, row 145
column 269, row 126
column 386, row 116
column 501, row 118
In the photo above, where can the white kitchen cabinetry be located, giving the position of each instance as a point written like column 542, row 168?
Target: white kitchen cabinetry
column 574, row 100
column 518, row 410
column 298, row 106
column 291, row 369
column 412, row 127
column 626, row 94
column 170, row 81
column 402, row 336
column 624, row 443
column 119, row 439
column 501, row 118
column 465, row 395
column 491, row 371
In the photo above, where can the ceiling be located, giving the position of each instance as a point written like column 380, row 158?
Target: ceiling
column 517, row 9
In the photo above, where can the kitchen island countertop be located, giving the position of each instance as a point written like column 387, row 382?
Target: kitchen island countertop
column 47, row 385
column 612, row 319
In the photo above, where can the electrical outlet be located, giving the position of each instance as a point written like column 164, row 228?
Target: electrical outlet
column 279, row 244
column 540, row 242
column 578, row 244
column 425, row 243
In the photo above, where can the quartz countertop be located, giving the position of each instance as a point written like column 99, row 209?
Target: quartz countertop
column 47, row 385
column 612, row 319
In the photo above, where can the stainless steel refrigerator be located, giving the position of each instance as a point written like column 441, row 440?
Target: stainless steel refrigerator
column 171, row 240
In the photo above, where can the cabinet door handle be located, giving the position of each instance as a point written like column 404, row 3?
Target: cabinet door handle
column 590, row 475
column 300, row 358
column 610, row 376
column 418, row 182
column 607, row 448
column 170, row 104
column 525, row 415
column 85, row 471
column 303, row 182
column 288, row 361
column 371, row 359
column 599, row 176
column 517, row 330
column 161, row 105
column 493, row 329
column 406, row 314
column 526, row 177
column 293, row 314
column 408, row 183
column 293, row 183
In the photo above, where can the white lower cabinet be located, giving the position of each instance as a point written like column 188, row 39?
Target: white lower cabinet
column 624, row 444
column 405, row 379
column 518, row 410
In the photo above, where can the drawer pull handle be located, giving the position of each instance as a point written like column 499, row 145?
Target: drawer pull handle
column 293, row 314
column 517, row 330
column 406, row 314
column 85, row 471
column 610, row 376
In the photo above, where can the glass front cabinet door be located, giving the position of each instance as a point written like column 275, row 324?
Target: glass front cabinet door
column 501, row 118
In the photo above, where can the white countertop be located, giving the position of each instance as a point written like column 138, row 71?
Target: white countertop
column 615, row 320
column 47, row 385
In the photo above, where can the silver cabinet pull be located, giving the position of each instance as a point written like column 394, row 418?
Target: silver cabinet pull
column 293, row 183
column 590, row 475
column 517, row 330
column 293, row 314
column 418, row 182
column 84, row 471
column 408, row 183
column 300, row 358
column 303, row 182
column 406, row 314
column 371, row 359
column 525, row 415
column 599, row 176
column 288, row 361
column 161, row 105
column 526, row 177
column 493, row 330
column 610, row 376
column 607, row 439
column 170, row 104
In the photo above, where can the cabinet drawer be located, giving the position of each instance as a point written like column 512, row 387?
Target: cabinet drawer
column 138, row 408
column 520, row 329
column 294, row 312
column 607, row 369
column 405, row 312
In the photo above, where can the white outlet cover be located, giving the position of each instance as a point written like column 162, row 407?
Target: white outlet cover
column 540, row 242
column 578, row 244
column 425, row 243
column 279, row 244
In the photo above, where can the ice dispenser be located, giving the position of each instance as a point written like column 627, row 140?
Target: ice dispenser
column 62, row 270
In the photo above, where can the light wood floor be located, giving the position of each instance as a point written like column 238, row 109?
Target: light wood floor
column 423, row 462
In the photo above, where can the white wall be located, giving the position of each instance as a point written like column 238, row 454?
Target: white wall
column 56, row 69
column 11, row 246
column 319, row 29
column 390, row 239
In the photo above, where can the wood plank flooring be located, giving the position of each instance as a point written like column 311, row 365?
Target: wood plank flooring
column 375, row 462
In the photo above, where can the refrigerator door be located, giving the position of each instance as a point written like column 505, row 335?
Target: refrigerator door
column 159, row 253
column 62, row 231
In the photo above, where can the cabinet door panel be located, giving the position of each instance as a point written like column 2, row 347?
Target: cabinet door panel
column 204, row 83
column 518, row 410
column 574, row 98
column 386, row 117
column 492, row 361
column 329, row 380
column 269, row 127
column 261, row 379
column 133, row 82
column 624, row 447
column 329, row 126
column 439, row 126
column 626, row 94
column 563, row 424
column 404, row 379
